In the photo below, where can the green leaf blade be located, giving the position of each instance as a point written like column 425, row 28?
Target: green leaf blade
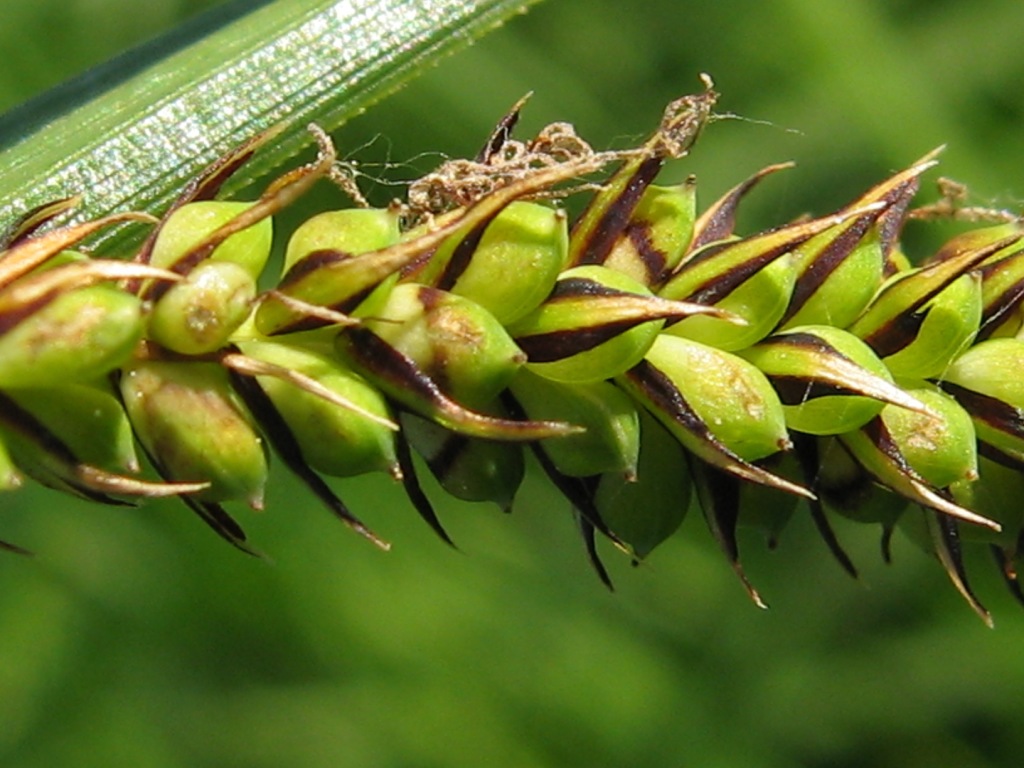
column 136, row 144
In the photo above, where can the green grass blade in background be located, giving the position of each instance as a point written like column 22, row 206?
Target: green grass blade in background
column 296, row 61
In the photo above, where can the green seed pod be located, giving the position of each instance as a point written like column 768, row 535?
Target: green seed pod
column 1002, row 313
column 596, row 324
column 333, row 439
column 953, row 318
column 829, row 381
column 767, row 510
column 31, row 451
column 194, row 428
column 729, row 394
column 752, row 278
column 922, row 318
column 199, row 314
column 719, row 406
column 351, row 231
column 611, row 442
column 855, row 275
column 507, row 265
column 658, row 233
column 452, row 339
column 77, row 335
column 760, row 299
column 468, row 468
column 844, row 486
column 839, row 270
column 333, row 260
column 88, row 419
column 1000, row 241
column 1002, row 279
column 646, row 510
column 400, row 378
column 192, row 224
column 986, row 380
column 875, row 449
column 43, row 454
column 939, row 445
column 996, row 493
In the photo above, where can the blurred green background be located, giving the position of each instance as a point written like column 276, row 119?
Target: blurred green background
column 136, row 638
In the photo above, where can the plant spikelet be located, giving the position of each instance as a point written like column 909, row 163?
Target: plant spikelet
column 646, row 354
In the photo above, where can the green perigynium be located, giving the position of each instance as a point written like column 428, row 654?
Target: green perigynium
column 645, row 354
column 510, row 266
column 595, row 324
column 193, row 425
column 829, row 380
column 611, row 440
column 361, row 422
